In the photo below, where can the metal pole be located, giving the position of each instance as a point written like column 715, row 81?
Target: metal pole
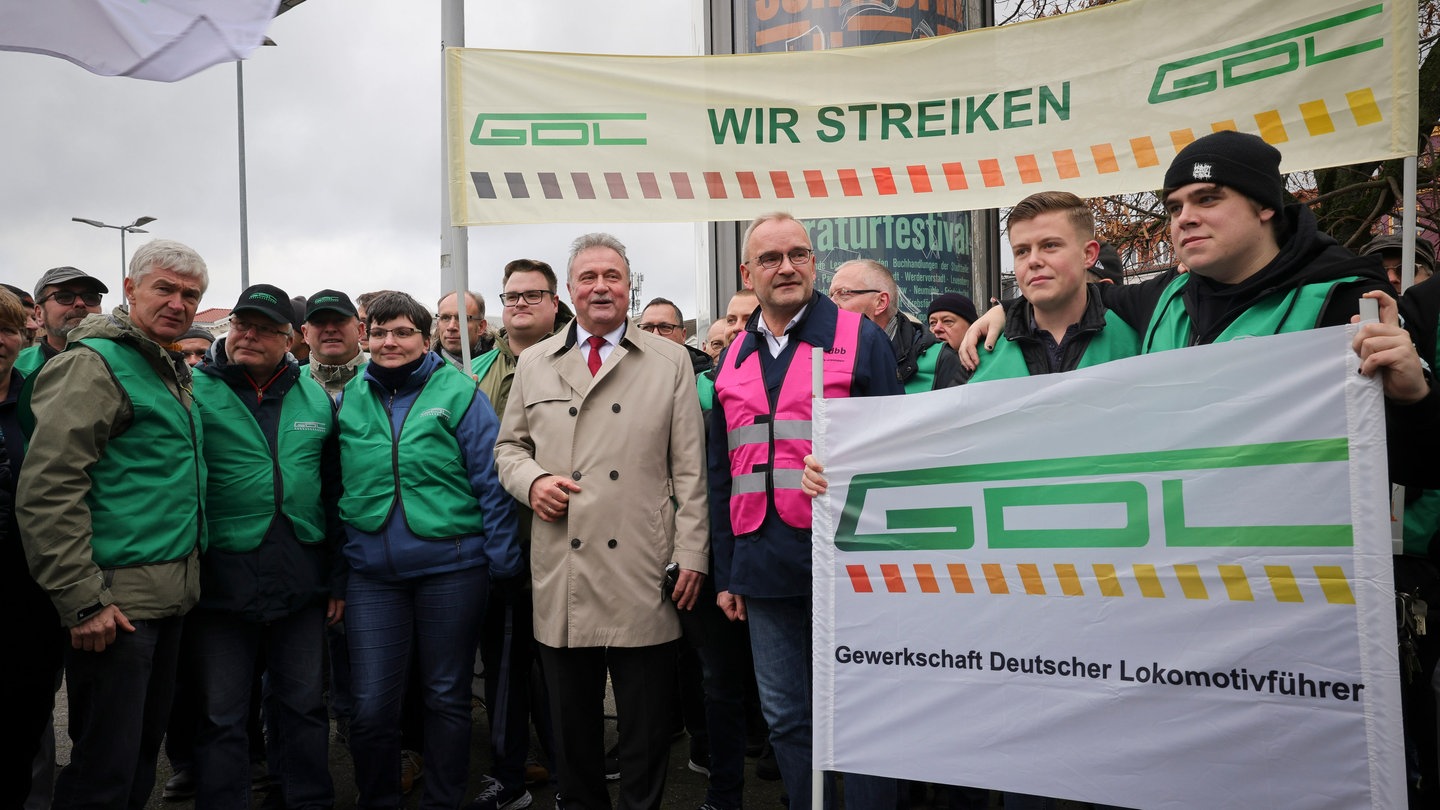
column 1408, row 225
column 122, row 262
column 244, row 209
column 454, row 242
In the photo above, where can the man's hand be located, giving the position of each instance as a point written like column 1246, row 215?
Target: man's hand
column 812, row 481
column 732, row 605
column 989, row 327
column 550, row 497
column 687, row 588
column 1386, row 348
column 334, row 611
column 93, row 634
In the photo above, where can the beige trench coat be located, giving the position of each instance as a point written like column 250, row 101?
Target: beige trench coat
column 633, row 439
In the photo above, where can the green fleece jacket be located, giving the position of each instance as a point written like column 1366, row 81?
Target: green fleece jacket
column 78, row 407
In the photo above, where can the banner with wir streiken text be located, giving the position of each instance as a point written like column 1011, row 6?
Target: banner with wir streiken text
column 1095, row 102
column 1161, row 582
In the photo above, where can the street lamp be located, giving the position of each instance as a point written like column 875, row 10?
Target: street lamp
column 133, row 227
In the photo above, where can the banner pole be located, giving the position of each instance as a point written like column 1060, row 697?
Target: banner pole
column 1408, row 224
column 454, row 242
column 817, row 446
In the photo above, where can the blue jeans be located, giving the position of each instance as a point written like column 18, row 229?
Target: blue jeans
column 119, row 705
column 226, row 648
column 780, row 640
column 441, row 613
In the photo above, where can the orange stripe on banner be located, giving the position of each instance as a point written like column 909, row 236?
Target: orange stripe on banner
column 1272, row 126
column 1030, row 576
column 1029, row 168
column 1282, row 582
column 1363, row 107
column 1237, row 586
column 1069, row 580
column 1105, row 161
column 815, row 183
column 1147, row 580
column 870, row 22
column 781, row 182
column 990, row 170
column 837, row 39
column 1106, row 579
column 1221, row 126
column 1317, row 117
column 925, row 575
column 919, row 179
column 1065, row 164
column 995, row 578
column 859, row 580
column 955, row 176
column 849, row 182
column 749, row 188
column 775, row 33
column 1334, row 584
column 1190, row 582
column 884, row 180
column 715, row 185
column 894, row 583
column 1181, row 138
column 1144, row 151
column 960, row 578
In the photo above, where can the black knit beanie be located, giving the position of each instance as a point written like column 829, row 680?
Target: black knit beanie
column 1238, row 160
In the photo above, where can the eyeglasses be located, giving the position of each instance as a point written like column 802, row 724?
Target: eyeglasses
column 66, row 298
column 845, row 293
column 662, row 328
column 456, row 318
column 510, row 299
column 242, row 327
column 399, row 333
column 799, row 257
column 717, row 343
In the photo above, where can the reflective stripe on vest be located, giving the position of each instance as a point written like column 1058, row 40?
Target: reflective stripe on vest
column 159, row 452
column 244, row 495
column 422, row 467
column 1292, row 311
column 1116, row 341
column 768, row 447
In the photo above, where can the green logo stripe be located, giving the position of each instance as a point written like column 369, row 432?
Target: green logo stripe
column 552, row 129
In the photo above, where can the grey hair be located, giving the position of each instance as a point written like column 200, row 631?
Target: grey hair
column 773, row 216
column 167, row 254
column 879, row 276
column 595, row 240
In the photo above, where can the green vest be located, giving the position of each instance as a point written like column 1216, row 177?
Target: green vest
column 482, row 364
column 425, row 471
column 244, row 493
column 705, row 387
column 151, row 472
column 29, row 359
column 1292, row 311
column 1116, row 341
column 924, row 377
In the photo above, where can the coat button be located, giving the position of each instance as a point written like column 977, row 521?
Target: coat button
column 574, row 411
column 575, row 475
column 574, row 542
column 615, row 408
column 614, row 475
column 612, row 543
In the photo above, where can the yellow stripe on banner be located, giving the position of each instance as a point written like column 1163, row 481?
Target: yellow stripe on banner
column 1109, row 583
column 1190, row 582
column 1363, row 107
column 1317, row 117
column 1030, row 575
column 1148, row 581
column 1282, row 582
column 960, row 578
column 1272, row 127
column 995, row 578
column 1181, row 138
column 1237, row 587
column 1069, row 580
column 1334, row 584
column 1221, row 126
column 1144, row 151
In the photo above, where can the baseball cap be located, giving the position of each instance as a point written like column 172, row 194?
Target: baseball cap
column 330, row 301
column 266, row 299
column 60, row 275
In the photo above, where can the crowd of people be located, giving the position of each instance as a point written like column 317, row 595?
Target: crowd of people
column 326, row 514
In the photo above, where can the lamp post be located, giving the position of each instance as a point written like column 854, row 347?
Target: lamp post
column 133, row 227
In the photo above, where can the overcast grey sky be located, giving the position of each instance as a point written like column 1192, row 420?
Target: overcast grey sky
column 343, row 151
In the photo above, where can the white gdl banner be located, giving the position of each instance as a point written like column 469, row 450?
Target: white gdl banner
column 1162, row 582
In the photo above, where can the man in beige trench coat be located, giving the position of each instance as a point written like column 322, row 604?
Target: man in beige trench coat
column 603, row 438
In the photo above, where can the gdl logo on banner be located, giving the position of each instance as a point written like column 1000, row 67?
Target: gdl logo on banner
column 555, row 129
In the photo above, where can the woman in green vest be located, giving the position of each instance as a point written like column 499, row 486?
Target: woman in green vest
column 428, row 528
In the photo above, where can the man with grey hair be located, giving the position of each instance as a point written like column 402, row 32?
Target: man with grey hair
column 111, row 513
column 604, row 442
column 64, row 296
column 447, row 322
column 923, row 362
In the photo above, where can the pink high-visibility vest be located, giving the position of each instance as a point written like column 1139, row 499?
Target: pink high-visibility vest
column 768, row 448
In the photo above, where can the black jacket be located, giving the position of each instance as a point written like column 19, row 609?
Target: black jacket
column 1020, row 329
column 912, row 340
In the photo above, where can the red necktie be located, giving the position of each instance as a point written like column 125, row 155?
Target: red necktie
column 593, row 360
